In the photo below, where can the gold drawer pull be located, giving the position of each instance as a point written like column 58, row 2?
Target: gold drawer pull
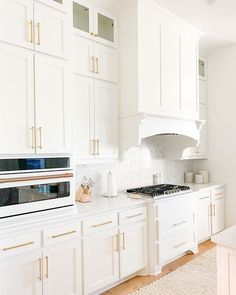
column 180, row 223
column 64, row 234
column 18, row 246
column 40, row 269
column 101, row 224
column 204, row 198
column 47, row 272
column 30, row 31
column 136, row 215
column 219, row 194
column 179, row 245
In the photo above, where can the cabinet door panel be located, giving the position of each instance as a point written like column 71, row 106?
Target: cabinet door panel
column 106, row 63
column 170, row 70
column 83, row 18
column 84, row 62
column 218, row 216
column 203, row 218
column 21, row 276
column 16, row 100
column 62, row 264
column 189, row 93
column 57, row 4
column 53, row 106
column 106, row 119
column 15, row 26
column 83, row 117
column 150, row 64
column 101, row 266
column 51, row 31
column 133, row 249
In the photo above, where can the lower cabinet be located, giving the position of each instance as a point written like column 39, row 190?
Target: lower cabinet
column 218, row 215
column 133, row 248
column 21, row 276
column 100, row 260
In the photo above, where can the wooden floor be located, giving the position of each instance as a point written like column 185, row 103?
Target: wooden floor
column 140, row 281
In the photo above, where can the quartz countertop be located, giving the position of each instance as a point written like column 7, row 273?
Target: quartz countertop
column 204, row 186
column 226, row 238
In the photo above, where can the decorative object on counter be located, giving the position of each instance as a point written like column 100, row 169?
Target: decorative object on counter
column 156, row 178
column 111, row 186
column 188, row 177
column 205, row 175
column 84, row 191
column 199, row 179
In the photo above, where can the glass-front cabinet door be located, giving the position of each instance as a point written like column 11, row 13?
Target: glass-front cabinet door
column 83, row 18
column 58, row 4
column 105, row 27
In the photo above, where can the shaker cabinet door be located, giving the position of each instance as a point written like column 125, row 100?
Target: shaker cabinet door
column 16, row 100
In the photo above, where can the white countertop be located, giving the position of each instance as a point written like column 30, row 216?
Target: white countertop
column 205, row 186
column 226, row 238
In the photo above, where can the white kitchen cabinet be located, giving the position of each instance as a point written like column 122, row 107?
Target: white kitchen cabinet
column 17, row 100
column 95, row 119
column 203, row 217
column 22, row 275
column 83, row 106
column 16, row 22
column 133, row 248
column 95, row 60
column 57, row 4
column 100, row 260
column 51, row 31
column 62, row 269
column 218, row 215
column 52, row 105
column 106, row 120
column 94, row 23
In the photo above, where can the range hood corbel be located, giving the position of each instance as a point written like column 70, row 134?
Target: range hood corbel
column 174, row 135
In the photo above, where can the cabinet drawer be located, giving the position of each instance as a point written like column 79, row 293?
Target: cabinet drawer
column 172, row 247
column 20, row 244
column 132, row 215
column 181, row 221
column 100, row 223
column 169, row 207
column 218, row 193
column 61, row 233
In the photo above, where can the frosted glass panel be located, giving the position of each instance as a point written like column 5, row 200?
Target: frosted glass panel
column 105, row 27
column 81, row 17
column 58, row 1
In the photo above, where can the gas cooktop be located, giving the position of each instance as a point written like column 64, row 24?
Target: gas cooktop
column 160, row 190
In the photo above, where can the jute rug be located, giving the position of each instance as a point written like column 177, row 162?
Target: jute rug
column 197, row 277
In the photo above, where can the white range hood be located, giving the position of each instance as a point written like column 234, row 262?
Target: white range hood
column 173, row 135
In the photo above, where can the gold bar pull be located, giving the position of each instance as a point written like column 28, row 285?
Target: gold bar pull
column 94, row 147
column 46, row 275
column 98, row 147
column 40, row 138
column 133, row 216
column 30, row 23
column 32, row 138
column 38, row 28
column 40, row 269
column 96, row 35
column 93, row 64
column 123, row 238
column 97, row 66
column 92, row 34
column 101, row 224
column 18, row 246
column 64, row 234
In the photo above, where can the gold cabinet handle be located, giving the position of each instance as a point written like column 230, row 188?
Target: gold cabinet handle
column 123, row 241
column 18, row 246
column 96, row 35
column 101, row 224
column 64, row 234
column 180, row 223
column 179, row 245
column 94, row 147
column 214, row 210
column 93, row 64
column 40, row 269
column 91, row 33
column 98, row 147
column 32, row 138
column 47, row 273
column 37, row 33
column 133, row 216
column 40, row 129
column 97, row 66
column 30, row 24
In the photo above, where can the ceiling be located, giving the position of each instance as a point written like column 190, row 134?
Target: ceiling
column 216, row 18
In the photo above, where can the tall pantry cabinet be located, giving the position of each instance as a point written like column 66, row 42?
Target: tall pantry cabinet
column 95, row 68
column 34, row 54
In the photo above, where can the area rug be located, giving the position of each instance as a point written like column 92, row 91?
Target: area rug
column 197, row 277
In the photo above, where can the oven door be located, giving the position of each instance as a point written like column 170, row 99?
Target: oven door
column 27, row 193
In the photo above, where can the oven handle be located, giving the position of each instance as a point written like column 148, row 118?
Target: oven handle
column 32, row 178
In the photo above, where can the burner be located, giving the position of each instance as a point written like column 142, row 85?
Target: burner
column 161, row 190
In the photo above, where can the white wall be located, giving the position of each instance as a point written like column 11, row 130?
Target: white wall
column 137, row 170
column 222, row 124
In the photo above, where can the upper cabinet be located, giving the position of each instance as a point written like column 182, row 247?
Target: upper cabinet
column 94, row 23
column 34, row 26
column 57, row 4
column 158, row 63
